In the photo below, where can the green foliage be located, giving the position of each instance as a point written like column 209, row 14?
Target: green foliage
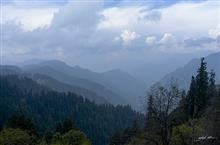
column 11, row 136
column 182, row 133
column 73, row 137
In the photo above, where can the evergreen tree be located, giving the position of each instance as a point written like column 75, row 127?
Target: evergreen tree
column 150, row 119
column 202, row 86
column 212, row 87
column 66, row 126
column 192, row 99
column 135, row 129
column 59, row 128
column 123, row 137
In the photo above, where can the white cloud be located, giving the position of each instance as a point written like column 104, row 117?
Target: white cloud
column 28, row 18
column 182, row 19
column 79, row 32
column 127, row 36
column 150, row 40
column 214, row 33
column 189, row 19
column 168, row 38
column 118, row 17
column 127, row 17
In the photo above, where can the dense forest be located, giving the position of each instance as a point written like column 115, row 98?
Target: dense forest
column 46, row 108
column 34, row 114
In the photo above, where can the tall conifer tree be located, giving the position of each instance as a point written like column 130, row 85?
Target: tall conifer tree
column 202, row 85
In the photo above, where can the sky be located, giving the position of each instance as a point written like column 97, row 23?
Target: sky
column 103, row 35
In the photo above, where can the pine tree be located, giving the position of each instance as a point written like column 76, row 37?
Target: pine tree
column 213, row 112
column 58, row 127
column 66, row 126
column 150, row 114
column 202, row 86
column 135, row 129
column 212, row 87
column 192, row 98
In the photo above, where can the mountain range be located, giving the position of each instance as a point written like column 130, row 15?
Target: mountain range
column 114, row 86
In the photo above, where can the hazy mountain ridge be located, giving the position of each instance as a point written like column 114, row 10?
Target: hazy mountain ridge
column 62, row 87
column 10, row 69
column 114, row 86
column 183, row 74
column 50, row 83
column 120, row 82
column 110, row 96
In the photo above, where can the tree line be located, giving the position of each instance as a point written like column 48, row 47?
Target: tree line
column 20, row 130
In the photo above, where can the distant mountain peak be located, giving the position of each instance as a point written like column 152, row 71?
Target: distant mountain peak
column 54, row 62
column 117, row 71
column 78, row 67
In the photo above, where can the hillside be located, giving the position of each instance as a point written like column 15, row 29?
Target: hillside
column 117, row 81
column 47, row 107
column 66, row 78
column 52, row 84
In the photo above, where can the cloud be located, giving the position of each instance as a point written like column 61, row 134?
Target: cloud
column 198, row 42
column 182, row 19
column 214, row 33
column 88, row 33
column 168, row 38
column 127, row 36
column 150, row 40
column 28, row 18
column 127, row 17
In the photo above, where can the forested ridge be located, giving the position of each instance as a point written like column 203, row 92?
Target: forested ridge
column 34, row 114
column 46, row 108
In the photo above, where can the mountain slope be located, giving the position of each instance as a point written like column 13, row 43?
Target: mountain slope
column 117, row 81
column 10, row 69
column 61, row 76
column 62, row 87
column 183, row 74
column 51, row 83
column 47, row 107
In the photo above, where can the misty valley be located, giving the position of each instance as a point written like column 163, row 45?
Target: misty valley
column 52, row 103
column 109, row 72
